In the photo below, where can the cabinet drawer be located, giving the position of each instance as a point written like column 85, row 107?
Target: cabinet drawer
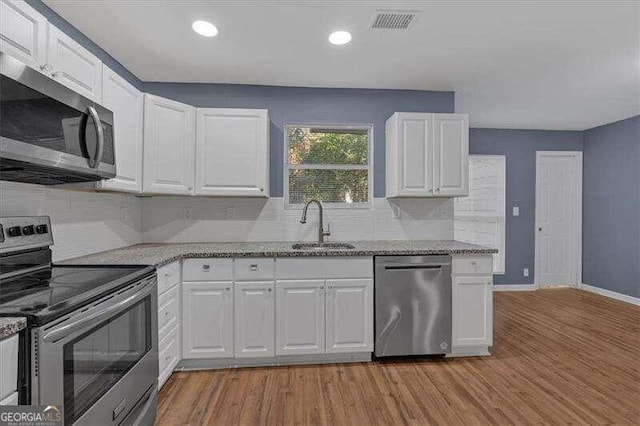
column 477, row 265
column 255, row 269
column 8, row 366
column 168, row 276
column 168, row 354
column 168, row 310
column 207, row 270
column 324, row 267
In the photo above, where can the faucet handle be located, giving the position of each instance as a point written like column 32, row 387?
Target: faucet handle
column 327, row 232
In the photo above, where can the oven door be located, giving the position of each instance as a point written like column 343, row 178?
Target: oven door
column 51, row 134
column 101, row 362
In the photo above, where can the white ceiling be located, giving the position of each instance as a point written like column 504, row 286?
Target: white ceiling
column 529, row 64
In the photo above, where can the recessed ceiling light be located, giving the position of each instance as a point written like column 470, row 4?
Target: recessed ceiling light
column 340, row 37
column 204, row 28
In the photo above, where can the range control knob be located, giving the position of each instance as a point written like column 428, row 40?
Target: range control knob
column 42, row 229
column 28, row 230
column 14, row 231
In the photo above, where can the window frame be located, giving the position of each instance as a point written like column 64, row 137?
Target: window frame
column 369, row 166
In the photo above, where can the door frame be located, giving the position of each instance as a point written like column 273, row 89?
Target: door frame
column 577, row 214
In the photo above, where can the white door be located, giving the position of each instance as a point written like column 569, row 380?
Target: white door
column 127, row 105
column 232, row 152
column 349, row 311
column 558, row 218
column 168, row 146
column 451, row 154
column 207, row 313
column 73, row 65
column 472, row 320
column 300, row 317
column 415, row 154
column 23, row 33
column 254, row 314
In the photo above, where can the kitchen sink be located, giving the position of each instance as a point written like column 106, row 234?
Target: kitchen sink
column 323, row 246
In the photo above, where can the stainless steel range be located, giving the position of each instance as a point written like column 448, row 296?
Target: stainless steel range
column 91, row 343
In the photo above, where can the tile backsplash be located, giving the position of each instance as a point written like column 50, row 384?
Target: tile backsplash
column 83, row 222
column 201, row 219
column 86, row 222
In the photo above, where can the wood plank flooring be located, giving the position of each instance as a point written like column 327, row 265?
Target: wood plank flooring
column 560, row 356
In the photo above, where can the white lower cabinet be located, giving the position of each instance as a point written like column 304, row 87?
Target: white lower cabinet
column 207, row 315
column 254, row 319
column 472, row 298
column 349, row 310
column 8, row 369
column 300, row 313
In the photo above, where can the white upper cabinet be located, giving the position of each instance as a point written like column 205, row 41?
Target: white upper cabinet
column 168, row 146
column 427, row 155
column 127, row 104
column 232, row 152
column 349, row 315
column 73, row 65
column 23, row 33
column 451, row 154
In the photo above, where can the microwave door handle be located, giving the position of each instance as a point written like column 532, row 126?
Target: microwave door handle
column 82, row 323
column 95, row 162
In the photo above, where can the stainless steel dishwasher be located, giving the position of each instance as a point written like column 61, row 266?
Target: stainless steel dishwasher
column 412, row 305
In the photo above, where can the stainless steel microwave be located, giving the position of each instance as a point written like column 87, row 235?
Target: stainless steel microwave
column 50, row 134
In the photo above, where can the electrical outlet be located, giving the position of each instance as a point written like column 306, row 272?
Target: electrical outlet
column 231, row 213
column 525, row 272
column 188, row 212
column 395, row 212
column 516, row 211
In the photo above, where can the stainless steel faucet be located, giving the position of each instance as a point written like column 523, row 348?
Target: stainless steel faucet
column 321, row 232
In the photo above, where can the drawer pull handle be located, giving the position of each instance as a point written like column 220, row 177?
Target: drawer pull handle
column 473, row 263
column 254, row 267
column 206, row 267
column 228, row 289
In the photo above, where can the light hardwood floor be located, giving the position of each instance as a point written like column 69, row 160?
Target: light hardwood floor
column 560, row 356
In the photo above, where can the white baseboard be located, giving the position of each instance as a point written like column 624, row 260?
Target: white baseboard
column 611, row 294
column 514, row 287
column 218, row 363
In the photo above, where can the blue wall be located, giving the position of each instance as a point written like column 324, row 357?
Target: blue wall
column 84, row 41
column 519, row 147
column 311, row 105
column 611, row 207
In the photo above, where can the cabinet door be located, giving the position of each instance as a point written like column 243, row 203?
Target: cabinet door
column 126, row 102
column 300, row 317
column 8, row 366
column 23, row 33
column 254, row 319
column 207, row 312
column 451, row 154
column 168, row 146
column 73, row 65
column 472, row 311
column 415, row 154
column 349, row 315
column 232, row 152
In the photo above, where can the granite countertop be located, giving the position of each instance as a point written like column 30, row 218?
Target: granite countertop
column 159, row 254
column 11, row 325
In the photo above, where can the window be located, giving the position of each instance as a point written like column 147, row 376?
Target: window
column 480, row 217
column 329, row 163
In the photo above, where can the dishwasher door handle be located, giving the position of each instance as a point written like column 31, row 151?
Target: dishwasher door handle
column 411, row 267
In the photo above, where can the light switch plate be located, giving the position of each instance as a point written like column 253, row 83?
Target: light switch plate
column 516, row 211
column 525, row 272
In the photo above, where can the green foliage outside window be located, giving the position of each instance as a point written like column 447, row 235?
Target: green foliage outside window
column 346, row 149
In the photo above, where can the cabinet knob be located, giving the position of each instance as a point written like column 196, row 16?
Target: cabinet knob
column 228, row 289
column 321, row 287
column 206, row 267
column 261, row 189
column 269, row 290
column 437, row 189
column 254, row 267
column 190, row 188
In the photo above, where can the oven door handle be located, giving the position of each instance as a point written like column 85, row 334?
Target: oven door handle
column 80, row 324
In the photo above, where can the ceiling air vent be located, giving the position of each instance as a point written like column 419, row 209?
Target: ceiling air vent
column 393, row 19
